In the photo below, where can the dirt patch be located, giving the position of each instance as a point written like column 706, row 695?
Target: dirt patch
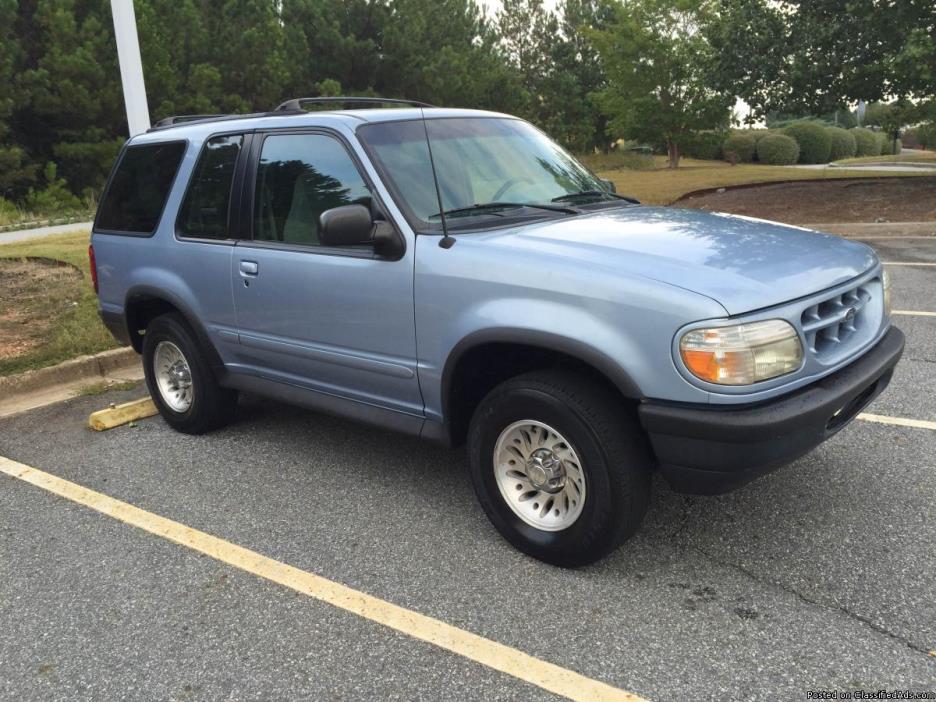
column 34, row 292
column 859, row 200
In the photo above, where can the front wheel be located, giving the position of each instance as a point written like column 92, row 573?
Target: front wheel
column 560, row 466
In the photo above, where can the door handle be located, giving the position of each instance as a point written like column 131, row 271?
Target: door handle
column 249, row 268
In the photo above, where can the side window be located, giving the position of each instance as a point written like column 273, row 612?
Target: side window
column 139, row 187
column 204, row 213
column 298, row 178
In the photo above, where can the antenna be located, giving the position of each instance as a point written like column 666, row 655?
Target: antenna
column 446, row 242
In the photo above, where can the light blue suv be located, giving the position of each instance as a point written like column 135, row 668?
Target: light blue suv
column 455, row 275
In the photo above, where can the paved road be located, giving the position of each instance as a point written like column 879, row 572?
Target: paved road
column 25, row 234
column 819, row 576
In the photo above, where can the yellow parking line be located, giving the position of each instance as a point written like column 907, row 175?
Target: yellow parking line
column 914, row 313
column 897, row 421
column 906, row 263
column 500, row 657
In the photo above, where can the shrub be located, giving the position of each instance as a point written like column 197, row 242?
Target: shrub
column 759, row 134
column 887, row 145
column 705, row 145
column 777, row 150
column 815, row 143
column 54, row 198
column 742, row 144
column 866, row 142
column 843, row 144
column 926, row 135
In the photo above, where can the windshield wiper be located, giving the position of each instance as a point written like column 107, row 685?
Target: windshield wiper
column 482, row 206
column 594, row 193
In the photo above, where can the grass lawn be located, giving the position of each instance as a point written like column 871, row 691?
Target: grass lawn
column 660, row 185
column 927, row 157
column 48, row 311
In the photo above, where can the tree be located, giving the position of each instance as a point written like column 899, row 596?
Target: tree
column 656, row 59
column 16, row 173
column 69, row 108
column 891, row 118
column 814, row 56
column 575, row 75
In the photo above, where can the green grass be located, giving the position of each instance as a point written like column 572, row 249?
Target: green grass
column 663, row 186
column 927, row 157
column 48, row 315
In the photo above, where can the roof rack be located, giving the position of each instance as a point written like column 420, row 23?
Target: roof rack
column 179, row 119
column 297, row 103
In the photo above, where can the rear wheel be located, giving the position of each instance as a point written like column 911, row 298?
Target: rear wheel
column 180, row 380
column 560, row 466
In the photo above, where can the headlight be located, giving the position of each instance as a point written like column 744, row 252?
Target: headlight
column 886, row 283
column 742, row 354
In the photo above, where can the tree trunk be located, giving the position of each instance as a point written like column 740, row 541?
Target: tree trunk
column 672, row 149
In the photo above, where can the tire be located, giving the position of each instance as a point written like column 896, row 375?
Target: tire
column 597, row 430
column 209, row 406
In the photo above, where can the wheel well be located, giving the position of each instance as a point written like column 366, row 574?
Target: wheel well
column 140, row 311
column 483, row 367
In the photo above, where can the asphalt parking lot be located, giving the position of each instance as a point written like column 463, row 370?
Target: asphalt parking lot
column 820, row 576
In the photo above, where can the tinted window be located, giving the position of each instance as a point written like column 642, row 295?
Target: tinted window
column 299, row 177
column 139, row 187
column 204, row 212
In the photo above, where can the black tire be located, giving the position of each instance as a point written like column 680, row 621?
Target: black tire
column 606, row 436
column 212, row 406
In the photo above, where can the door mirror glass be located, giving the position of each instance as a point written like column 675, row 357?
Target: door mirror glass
column 346, row 226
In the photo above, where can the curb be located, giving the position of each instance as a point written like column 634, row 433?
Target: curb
column 796, row 181
column 40, row 224
column 81, row 368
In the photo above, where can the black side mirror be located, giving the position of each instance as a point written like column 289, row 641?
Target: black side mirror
column 609, row 185
column 346, row 225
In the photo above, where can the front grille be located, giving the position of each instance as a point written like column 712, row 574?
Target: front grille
column 844, row 322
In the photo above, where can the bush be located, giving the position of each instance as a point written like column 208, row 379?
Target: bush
column 815, row 143
column 866, row 142
column 777, row 150
column 843, row 143
column 705, row 145
column 54, row 198
column 759, row 134
column 887, row 145
column 742, row 144
column 926, row 135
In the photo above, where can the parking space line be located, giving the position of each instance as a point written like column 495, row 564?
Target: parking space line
column 907, row 263
column 500, row 657
column 914, row 313
column 897, row 421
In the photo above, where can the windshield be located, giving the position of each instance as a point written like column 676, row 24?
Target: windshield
column 488, row 168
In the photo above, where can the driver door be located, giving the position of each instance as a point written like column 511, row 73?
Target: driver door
column 331, row 320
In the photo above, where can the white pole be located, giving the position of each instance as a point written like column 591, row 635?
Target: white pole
column 131, row 66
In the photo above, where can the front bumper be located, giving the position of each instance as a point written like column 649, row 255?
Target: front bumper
column 706, row 450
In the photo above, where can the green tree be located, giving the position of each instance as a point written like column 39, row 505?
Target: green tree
column 814, row 56
column 336, row 40
column 70, row 107
column 16, row 173
column 656, row 58
column 575, row 75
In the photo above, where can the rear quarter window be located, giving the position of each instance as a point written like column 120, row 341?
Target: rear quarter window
column 137, row 192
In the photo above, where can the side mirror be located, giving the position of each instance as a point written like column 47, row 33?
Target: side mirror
column 609, row 185
column 346, row 225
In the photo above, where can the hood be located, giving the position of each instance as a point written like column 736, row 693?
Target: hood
column 743, row 263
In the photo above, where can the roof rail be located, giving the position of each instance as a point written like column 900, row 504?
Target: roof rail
column 297, row 103
column 178, row 119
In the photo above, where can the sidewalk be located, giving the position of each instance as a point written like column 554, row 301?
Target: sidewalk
column 24, row 234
